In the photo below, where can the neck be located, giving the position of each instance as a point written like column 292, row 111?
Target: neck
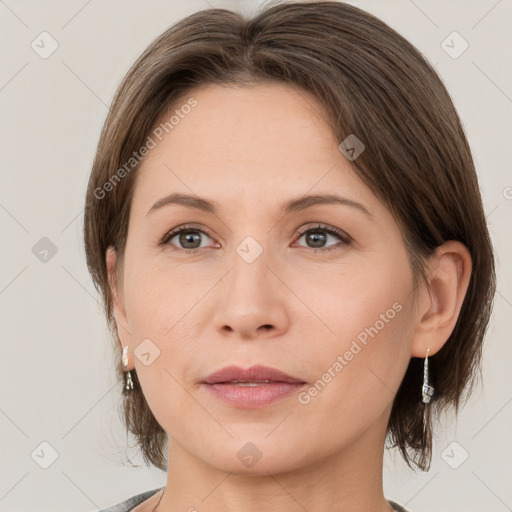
column 348, row 480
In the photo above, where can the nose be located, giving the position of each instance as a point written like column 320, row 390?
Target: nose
column 252, row 300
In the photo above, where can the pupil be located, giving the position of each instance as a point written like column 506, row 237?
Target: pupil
column 317, row 237
column 189, row 237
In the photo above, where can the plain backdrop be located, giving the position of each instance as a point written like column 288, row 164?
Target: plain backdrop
column 59, row 400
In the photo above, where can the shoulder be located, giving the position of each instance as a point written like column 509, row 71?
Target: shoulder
column 132, row 502
column 396, row 507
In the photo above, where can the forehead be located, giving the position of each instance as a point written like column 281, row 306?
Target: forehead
column 266, row 140
column 253, row 122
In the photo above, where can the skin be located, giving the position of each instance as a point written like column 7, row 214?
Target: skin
column 250, row 150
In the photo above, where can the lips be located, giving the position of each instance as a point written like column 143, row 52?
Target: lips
column 255, row 387
column 254, row 374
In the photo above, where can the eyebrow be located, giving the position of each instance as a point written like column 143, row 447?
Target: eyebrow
column 294, row 205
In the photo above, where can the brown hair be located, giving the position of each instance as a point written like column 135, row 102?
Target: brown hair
column 373, row 83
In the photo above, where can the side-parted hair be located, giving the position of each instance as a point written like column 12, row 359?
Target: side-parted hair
column 372, row 83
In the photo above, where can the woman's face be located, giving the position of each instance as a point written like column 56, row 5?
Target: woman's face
column 255, row 283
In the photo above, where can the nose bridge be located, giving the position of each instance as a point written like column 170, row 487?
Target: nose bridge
column 249, row 297
column 250, row 269
column 252, row 244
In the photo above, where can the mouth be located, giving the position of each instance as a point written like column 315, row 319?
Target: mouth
column 254, row 375
column 254, row 387
column 247, row 382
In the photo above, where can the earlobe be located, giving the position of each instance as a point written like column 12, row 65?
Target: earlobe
column 449, row 281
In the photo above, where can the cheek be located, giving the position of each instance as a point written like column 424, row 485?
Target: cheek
column 158, row 299
column 161, row 308
column 363, row 301
column 363, row 351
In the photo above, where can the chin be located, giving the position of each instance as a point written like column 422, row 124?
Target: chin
column 255, row 455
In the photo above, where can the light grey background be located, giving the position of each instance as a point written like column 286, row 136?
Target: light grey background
column 57, row 377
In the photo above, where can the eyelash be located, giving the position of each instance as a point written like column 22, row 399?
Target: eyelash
column 190, row 228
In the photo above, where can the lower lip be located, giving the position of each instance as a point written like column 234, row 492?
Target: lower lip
column 249, row 397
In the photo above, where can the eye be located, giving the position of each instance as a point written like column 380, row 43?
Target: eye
column 318, row 237
column 188, row 238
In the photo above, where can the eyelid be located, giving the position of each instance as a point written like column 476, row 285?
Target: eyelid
column 326, row 227
column 184, row 227
column 344, row 237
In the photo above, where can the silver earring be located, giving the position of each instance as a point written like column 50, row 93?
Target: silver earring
column 129, row 381
column 427, row 391
column 124, row 360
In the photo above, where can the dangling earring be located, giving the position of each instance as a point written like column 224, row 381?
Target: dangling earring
column 427, row 391
column 124, row 360
column 129, row 381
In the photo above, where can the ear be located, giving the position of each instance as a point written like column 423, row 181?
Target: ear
column 123, row 333
column 439, row 308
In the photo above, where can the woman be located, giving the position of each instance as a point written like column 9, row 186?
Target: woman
column 285, row 223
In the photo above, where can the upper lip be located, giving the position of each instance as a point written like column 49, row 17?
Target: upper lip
column 252, row 374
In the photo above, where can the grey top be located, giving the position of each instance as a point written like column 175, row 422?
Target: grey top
column 132, row 502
